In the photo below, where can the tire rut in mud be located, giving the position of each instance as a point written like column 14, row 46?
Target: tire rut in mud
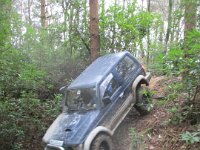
column 122, row 137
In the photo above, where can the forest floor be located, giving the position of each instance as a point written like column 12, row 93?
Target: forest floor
column 153, row 131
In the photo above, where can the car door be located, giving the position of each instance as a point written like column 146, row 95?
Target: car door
column 115, row 89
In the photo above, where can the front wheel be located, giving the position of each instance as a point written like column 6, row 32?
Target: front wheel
column 143, row 100
column 102, row 142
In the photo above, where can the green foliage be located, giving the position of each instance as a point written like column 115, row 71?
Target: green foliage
column 148, row 103
column 5, row 8
column 183, row 60
column 174, row 89
column 17, row 74
column 191, row 64
column 124, row 29
column 20, row 117
column 35, row 62
column 191, row 137
column 177, row 117
column 137, row 140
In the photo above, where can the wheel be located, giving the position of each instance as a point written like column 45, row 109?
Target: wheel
column 143, row 100
column 102, row 142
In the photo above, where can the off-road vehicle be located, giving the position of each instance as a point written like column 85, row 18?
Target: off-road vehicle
column 96, row 102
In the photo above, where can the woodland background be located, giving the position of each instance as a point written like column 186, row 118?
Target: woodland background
column 45, row 44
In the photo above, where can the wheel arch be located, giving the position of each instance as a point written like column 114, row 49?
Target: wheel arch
column 138, row 81
column 95, row 132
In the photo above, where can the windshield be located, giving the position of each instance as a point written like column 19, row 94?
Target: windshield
column 81, row 99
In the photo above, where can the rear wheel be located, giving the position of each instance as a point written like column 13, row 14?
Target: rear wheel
column 143, row 100
column 102, row 142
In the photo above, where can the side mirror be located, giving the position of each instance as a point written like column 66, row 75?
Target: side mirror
column 106, row 100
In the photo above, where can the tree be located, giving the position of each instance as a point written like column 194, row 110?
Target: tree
column 169, row 25
column 148, row 34
column 5, row 9
column 44, row 21
column 190, row 25
column 94, row 30
column 190, row 15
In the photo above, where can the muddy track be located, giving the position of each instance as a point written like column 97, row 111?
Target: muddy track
column 122, row 137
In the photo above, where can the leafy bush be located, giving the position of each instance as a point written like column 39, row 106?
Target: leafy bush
column 191, row 137
column 137, row 140
column 24, row 121
column 17, row 74
column 23, row 117
column 184, row 60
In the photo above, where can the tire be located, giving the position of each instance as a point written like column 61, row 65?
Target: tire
column 143, row 104
column 102, row 142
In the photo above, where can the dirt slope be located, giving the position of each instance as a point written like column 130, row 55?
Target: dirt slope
column 154, row 130
column 122, row 138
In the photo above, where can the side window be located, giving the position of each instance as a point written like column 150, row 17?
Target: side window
column 108, row 86
column 125, row 67
column 111, row 88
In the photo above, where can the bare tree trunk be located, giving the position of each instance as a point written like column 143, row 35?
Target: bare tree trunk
column 123, row 5
column 142, row 5
column 103, row 25
column 5, row 37
column 114, row 29
column 148, row 34
column 29, row 12
column 94, row 30
column 190, row 15
column 190, row 24
column 44, row 21
column 85, row 15
column 169, row 26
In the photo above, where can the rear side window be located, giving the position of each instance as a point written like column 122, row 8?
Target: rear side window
column 125, row 67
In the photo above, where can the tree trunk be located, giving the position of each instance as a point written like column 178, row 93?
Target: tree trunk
column 148, row 34
column 190, row 15
column 114, row 29
column 190, row 24
column 85, row 16
column 94, row 30
column 29, row 12
column 44, row 21
column 169, row 26
column 102, row 33
column 71, row 15
column 5, row 28
column 123, row 5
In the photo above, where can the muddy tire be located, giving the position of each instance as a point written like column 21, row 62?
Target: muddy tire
column 143, row 100
column 102, row 142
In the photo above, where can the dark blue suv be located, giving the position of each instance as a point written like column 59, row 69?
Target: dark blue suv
column 96, row 102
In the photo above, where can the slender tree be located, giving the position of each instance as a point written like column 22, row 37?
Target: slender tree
column 102, row 16
column 29, row 12
column 94, row 30
column 169, row 25
column 44, row 21
column 114, row 28
column 5, row 9
column 148, row 33
column 190, row 15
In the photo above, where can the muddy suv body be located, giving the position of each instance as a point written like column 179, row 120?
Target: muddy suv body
column 96, row 102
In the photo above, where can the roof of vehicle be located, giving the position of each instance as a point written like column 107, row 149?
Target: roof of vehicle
column 95, row 72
